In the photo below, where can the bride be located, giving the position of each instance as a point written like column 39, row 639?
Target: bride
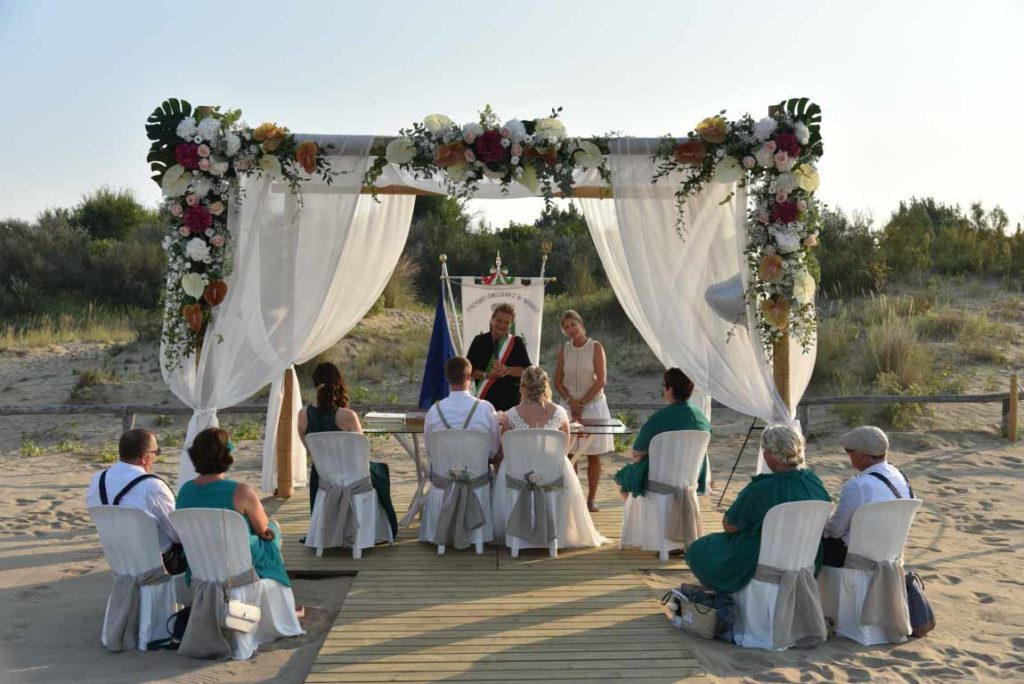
column 537, row 411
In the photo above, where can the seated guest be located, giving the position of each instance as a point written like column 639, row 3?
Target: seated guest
column 499, row 359
column 210, row 454
column 131, row 482
column 460, row 410
column 331, row 414
column 878, row 480
column 680, row 414
column 726, row 561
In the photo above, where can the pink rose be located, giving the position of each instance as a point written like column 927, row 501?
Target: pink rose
column 176, row 209
column 186, row 154
column 217, row 241
column 470, row 157
column 184, row 232
column 217, row 208
column 505, row 132
column 469, row 137
column 811, row 240
column 192, row 200
column 517, row 150
column 242, row 165
column 749, row 162
column 204, row 164
column 801, row 205
column 203, row 151
column 762, row 217
column 781, row 157
column 770, row 145
column 197, row 219
column 781, row 196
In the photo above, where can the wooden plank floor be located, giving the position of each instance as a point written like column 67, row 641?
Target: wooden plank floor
column 414, row 616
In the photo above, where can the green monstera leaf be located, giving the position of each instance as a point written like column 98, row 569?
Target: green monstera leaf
column 802, row 109
column 161, row 128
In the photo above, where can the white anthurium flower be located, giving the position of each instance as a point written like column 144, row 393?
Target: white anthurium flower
column 802, row 132
column 729, row 170
column 807, row 177
column 529, row 178
column 175, row 181
column 516, row 128
column 588, row 156
column 400, row 151
column 764, row 128
column 550, row 129
column 193, row 284
column 208, row 129
column 804, row 287
column 787, row 242
column 435, row 123
column 270, row 165
column 457, row 172
column 186, row 129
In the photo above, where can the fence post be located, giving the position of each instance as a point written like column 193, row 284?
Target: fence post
column 127, row 420
column 1010, row 410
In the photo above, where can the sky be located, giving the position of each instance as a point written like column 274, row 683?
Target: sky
column 918, row 98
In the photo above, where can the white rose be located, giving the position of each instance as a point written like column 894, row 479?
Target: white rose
column 764, row 128
column 787, row 242
column 198, row 250
column 436, row 123
column 219, row 168
column 802, row 132
column 232, row 143
column 765, row 157
column 588, row 156
column 400, row 151
column 201, row 187
column 187, row 128
column 729, row 170
column 175, row 181
column 193, row 284
column 516, row 128
column 804, row 287
column 270, row 164
column 208, row 129
column 550, row 129
column 784, row 182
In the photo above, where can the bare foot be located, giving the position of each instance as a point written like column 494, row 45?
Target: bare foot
column 593, row 507
column 300, row 612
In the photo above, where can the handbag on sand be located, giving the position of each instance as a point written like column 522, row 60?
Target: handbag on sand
column 922, row 619
column 701, row 612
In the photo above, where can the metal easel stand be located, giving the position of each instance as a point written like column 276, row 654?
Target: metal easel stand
column 753, row 426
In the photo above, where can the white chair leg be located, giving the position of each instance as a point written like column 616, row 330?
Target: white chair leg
column 319, row 551
column 479, row 548
column 663, row 555
column 440, row 549
column 553, row 548
column 357, row 552
column 514, row 546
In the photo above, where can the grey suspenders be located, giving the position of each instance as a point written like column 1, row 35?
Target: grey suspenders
column 469, row 417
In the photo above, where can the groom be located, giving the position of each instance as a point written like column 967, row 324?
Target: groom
column 498, row 359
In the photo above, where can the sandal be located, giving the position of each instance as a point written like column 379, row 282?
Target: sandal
column 300, row 612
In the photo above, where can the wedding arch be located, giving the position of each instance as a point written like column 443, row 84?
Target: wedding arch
column 281, row 243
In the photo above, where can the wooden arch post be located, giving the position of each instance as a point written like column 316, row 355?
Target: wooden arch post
column 285, row 423
column 780, row 347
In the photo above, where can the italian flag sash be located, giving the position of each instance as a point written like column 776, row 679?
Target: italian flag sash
column 503, row 351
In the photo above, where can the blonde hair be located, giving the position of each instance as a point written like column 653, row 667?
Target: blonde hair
column 570, row 314
column 786, row 444
column 534, row 385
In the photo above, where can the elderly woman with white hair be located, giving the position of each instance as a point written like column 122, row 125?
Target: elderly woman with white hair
column 726, row 561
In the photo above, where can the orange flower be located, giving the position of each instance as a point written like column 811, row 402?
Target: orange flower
column 770, row 268
column 449, row 155
column 305, row 154
column 776, row 312
column 690, row 152
column 713, row 129
column 261, row 132
column 271, row 135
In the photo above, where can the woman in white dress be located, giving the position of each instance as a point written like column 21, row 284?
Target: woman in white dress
column 537, row 411
column 580, row 379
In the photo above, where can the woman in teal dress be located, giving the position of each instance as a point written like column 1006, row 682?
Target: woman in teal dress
column 331, row 414
column 680, row 414
column 211, row 457
column 726, row 561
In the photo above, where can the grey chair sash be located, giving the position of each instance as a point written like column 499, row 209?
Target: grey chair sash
column 885, row 603
column 799, row 619
column 340, row 524
column 204, row 634
column 531, row 518
column 683, row 511
column 121, row 624
column 461, row 512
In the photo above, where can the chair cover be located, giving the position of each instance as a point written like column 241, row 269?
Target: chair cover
column 217, row 545
column 143, row 596
column 779, row 607
column 668, row 516
column 542, row 452
column 868, row 597
column 458, row 505
column 346, row 512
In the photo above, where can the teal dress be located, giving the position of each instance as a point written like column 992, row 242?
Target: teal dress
column 727, row 561
column 266, row 555
column 380, row 477
column 682, row 415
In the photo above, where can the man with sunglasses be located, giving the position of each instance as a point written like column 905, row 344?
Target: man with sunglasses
column 131, row 482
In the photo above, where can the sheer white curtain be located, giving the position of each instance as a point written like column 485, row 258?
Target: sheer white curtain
column 291, row 263
column 661, row 280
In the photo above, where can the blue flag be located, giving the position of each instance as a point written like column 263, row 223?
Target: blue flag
column 435, row 385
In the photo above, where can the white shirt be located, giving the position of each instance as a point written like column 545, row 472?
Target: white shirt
column 456, row 406
column 152, row 496
column 864, row 489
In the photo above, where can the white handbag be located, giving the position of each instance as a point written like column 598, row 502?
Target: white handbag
column 239, row 615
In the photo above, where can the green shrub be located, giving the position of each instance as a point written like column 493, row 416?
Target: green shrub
column 30, row 449
column 109, row 453
column 944, row 325
column 110, row 214
column 247, row 430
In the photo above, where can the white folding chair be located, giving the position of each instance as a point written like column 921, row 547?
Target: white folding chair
column 541, row 452
column 344, row 458
column 675, row 459
column 790, row 537
column 878, row 532
column 466, row 450
column 217, row 546
column 131, row 545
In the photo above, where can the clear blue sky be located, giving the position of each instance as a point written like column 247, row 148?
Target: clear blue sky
column 919, row 98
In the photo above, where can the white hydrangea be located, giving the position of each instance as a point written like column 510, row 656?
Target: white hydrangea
column 198, row 250
column 764, row 128
column 784, row 182
column 208, row 129
column 201, row 186
column 232, row 143
column 516, row 128
column 551, row 130
column 786, row 241
column 802, row 132
column 187, row 128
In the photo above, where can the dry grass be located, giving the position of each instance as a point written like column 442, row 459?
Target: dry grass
column 94, row 324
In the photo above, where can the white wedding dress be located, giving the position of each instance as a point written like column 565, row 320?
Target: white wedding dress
column 572, row 519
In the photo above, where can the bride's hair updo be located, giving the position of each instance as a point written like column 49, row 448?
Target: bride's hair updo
column 534, row 385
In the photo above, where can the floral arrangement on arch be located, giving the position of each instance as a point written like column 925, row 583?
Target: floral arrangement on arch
column 775, row 158
column 535, row 153
column 196, row 155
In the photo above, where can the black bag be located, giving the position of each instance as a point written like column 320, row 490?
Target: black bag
column 922, row 619
column 701, row 612
column 176, row 624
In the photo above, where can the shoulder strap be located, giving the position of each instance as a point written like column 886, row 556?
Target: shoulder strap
column 128, row 487
column 465, row 425
column 907, row 480
column 888, row 484
column 440, row 414
column 103, row 488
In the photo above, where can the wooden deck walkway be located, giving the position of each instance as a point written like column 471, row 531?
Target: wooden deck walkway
column 414, row 616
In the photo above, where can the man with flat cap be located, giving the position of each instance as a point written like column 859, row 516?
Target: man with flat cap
column 878, row 480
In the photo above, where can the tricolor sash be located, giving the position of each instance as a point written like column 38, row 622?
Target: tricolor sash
column 503, row 352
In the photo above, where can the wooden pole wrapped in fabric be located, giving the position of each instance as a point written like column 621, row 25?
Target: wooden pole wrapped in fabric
column 1012, row 409
column 284, row 440
column 780, row 368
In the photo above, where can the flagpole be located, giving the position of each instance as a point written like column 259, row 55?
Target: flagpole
column 447, row 289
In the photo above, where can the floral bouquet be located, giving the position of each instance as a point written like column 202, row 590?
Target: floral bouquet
column 535, row 153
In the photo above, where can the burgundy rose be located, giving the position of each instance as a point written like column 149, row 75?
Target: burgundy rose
column 788, row 143
column 784, row 212
column 488, row 147
column 187, row 155
column 197, row 219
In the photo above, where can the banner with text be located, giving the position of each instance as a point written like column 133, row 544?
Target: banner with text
column 525, row 294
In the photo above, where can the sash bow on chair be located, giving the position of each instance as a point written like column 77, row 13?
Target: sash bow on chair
column 798, row 616
column 204, row 635
column 340, row 522
column 683, row 512
column 885, row 603
column 531, row 518
column 461, row 512
column 121, row 624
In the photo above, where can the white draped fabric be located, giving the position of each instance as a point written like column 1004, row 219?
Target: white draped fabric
column 303, row 277
column 661, row 279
